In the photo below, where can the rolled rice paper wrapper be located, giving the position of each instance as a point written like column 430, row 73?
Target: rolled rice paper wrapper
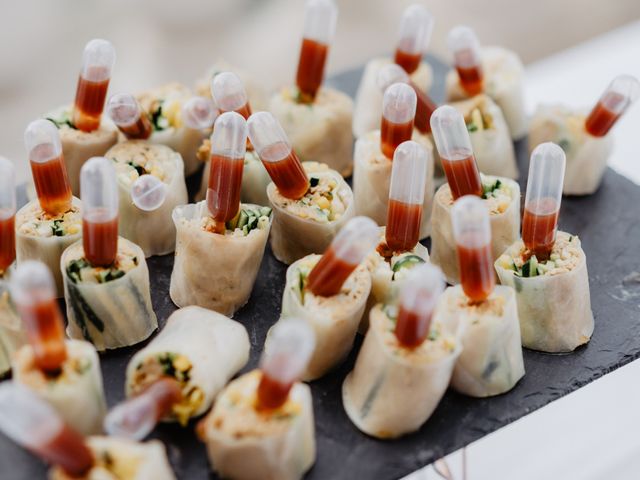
column 245, row 444
column 505, row 225
column 114, row 455
column 211, row 270
column 76, row 393
column 392, row 390
column 114, row 314
column 319, row 131
column 491, row 361
column 368, row 105
column 586, row 155
column 300, row 230
column 36, row 239
column 372, row 179
column 554, row 310
column 334, row 319
column 490, row 138
column 202, row 349
column 164, row 104
column 12, row 333
column 503, row 82
column 153, row 231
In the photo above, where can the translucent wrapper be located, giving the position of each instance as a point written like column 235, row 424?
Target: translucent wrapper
column 45, row 249
column 215, row 346
column 503, row 82
column 334, row 319
column 392, row 391
column 505, row 228
column 320, row 131
column 293, row 236
column 372, row 178
column 79, row 146
column 368, row 105
column 153, row 231
column 491, row 360
column 211, row 270
column 12, row 334
column 164, row 104
column 554, row 310
column 114, row 314
column 113, row 456
column 268, row 447
column 586, row 155
column 490, row 138
column 76, row 393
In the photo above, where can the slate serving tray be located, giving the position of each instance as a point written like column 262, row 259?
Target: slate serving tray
column 608, row 224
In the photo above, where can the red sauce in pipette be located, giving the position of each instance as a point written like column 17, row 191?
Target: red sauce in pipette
column 223, row 194
column 166, row 392
column 411, row 329
column 602, row 118
column 462, row 175
column 7, row 242
column 286, row 172
column 141, row 129
column 100, row 240
column 476, row 271
column 424, row 109
column 539, row 227
column 470, row 79
column 313, row 55
column 393, row 134
column 272, row 393
column 409, row 61
column 403, row 225
column 50, row 179
column 90, row 97
column 68, row 450
column 328, row 275
column 45, row 329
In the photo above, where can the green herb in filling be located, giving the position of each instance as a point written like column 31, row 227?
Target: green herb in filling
column 75, row 267
column 57, row 228
column 156, row 118
column 141, row 170
column 472, row 127
column 65, row 119
column 408, row 261
column 489, row 188
column 314, row 181
column 249, row 219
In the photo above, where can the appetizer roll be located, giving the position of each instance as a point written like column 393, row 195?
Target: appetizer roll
column 212, row 270
column 502, row 197
column 586, row 154
column 491, row 360
column 490, row 138
column 12, row 335
column 372, row 179
column 199, row 348
column 164, row 105
column 108, row 306
column 153, row 231
column 503, row 81
column 319, row 131
column 75, row 391
column 368, row 105
column 309, row 224
column 79, row 146
column 43, row 237
column 255, row 90
column 554, row 303
column 122, row 459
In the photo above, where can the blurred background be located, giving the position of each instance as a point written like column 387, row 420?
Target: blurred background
column 159, row 41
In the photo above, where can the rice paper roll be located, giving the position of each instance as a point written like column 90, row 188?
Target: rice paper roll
column 586, row 155
column 502, row 197
column 318, row 131
column 217, row 271
column 255, row 90
column 200, row 349
column 43, row 237
column 554, row 303
column 76, row 392
column 164, row 106
column 153, row 231
column 334, row 319
column 368, row 105
column 12, row 333
column 393, row 390
column 308, row 225
column 123, row 459
column 79, row 146
column 490, row 138
column 503, row 82
column 109, row 307
column 243, row 443
column 372, row 179
column 491, row 361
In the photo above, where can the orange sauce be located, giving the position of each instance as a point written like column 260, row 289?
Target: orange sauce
column 313, row 56
column 68, row 450
column 89, row 103
column 50, row 179
column 166, row 392
column 100, row 240
column 223, row 193
column 539, row 227
column 45, row 329
column 409, row 61
column 411, row 327
column 602, row 118
column 141, row 129
column 403, row 225
column 272, row 393
column 286, row 171
column 462, row 175
column 329, row 274
column 476, row 271
column 7, row 242
column 424, row 109
column 392, row 135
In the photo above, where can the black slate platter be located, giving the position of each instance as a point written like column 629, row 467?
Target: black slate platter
column 608, row 224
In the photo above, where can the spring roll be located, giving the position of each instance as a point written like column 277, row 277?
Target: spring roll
column 43, row 237
column 502, row 197
column 308, row 225
column 586, row 155
column 109, row 307
column 256, row 92
column 503, row 82
column 201, row 349
column 76, row 392
column 12, row 334
column 554, row 304
column 243, row 443
column 368, row 105
column 217, row 271
column 152, row 231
